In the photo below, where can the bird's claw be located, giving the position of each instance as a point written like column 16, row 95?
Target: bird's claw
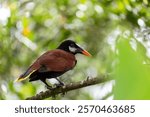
column 62, row 84
column 59, row 85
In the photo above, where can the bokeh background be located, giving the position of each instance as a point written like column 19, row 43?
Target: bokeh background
column 115, row 32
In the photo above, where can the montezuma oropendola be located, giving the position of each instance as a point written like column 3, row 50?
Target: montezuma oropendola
column 54, row 63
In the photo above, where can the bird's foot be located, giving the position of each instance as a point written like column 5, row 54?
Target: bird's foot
column 62, row 84
column 59, row 85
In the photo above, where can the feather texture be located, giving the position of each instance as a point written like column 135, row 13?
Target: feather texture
column 50, row 62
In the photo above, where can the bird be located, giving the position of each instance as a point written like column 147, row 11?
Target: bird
column 54, row 63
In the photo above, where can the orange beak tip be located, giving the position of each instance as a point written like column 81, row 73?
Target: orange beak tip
column 86, row 53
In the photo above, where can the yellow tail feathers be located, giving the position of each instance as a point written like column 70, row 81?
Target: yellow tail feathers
column 20, row 79
column 24, row 78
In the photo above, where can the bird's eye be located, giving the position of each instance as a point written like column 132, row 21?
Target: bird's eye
column 72, row 45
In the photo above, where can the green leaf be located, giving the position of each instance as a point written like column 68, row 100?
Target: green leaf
column 132, row 76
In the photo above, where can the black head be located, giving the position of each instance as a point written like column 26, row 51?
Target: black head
column 72, row 47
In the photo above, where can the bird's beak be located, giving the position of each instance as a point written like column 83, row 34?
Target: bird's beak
column 82, row 51
column 86, row 53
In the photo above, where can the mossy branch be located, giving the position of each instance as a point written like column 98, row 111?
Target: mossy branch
column 69, row 87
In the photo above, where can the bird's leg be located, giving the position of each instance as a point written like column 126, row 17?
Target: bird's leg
column 47, row 86
column 60, row 83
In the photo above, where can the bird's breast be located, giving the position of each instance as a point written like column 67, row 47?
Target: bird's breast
column 71, row 61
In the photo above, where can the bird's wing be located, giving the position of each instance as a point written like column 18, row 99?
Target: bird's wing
column 55, row 60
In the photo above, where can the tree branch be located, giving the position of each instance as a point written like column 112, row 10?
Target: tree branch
column 69, row 87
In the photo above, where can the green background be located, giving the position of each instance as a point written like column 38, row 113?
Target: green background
column 115, row 32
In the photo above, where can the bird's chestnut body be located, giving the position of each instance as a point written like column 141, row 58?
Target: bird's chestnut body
column 54, row 63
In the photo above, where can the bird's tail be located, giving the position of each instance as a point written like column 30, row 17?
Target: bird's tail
column 24, row 76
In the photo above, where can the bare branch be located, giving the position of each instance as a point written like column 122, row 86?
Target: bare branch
column 69, row 87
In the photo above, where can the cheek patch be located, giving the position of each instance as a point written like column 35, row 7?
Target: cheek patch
column 72, row 49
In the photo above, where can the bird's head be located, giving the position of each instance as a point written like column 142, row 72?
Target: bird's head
column 72, row 47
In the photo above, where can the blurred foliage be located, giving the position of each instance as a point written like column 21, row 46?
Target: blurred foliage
column 116, row 32
column 132, row 74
